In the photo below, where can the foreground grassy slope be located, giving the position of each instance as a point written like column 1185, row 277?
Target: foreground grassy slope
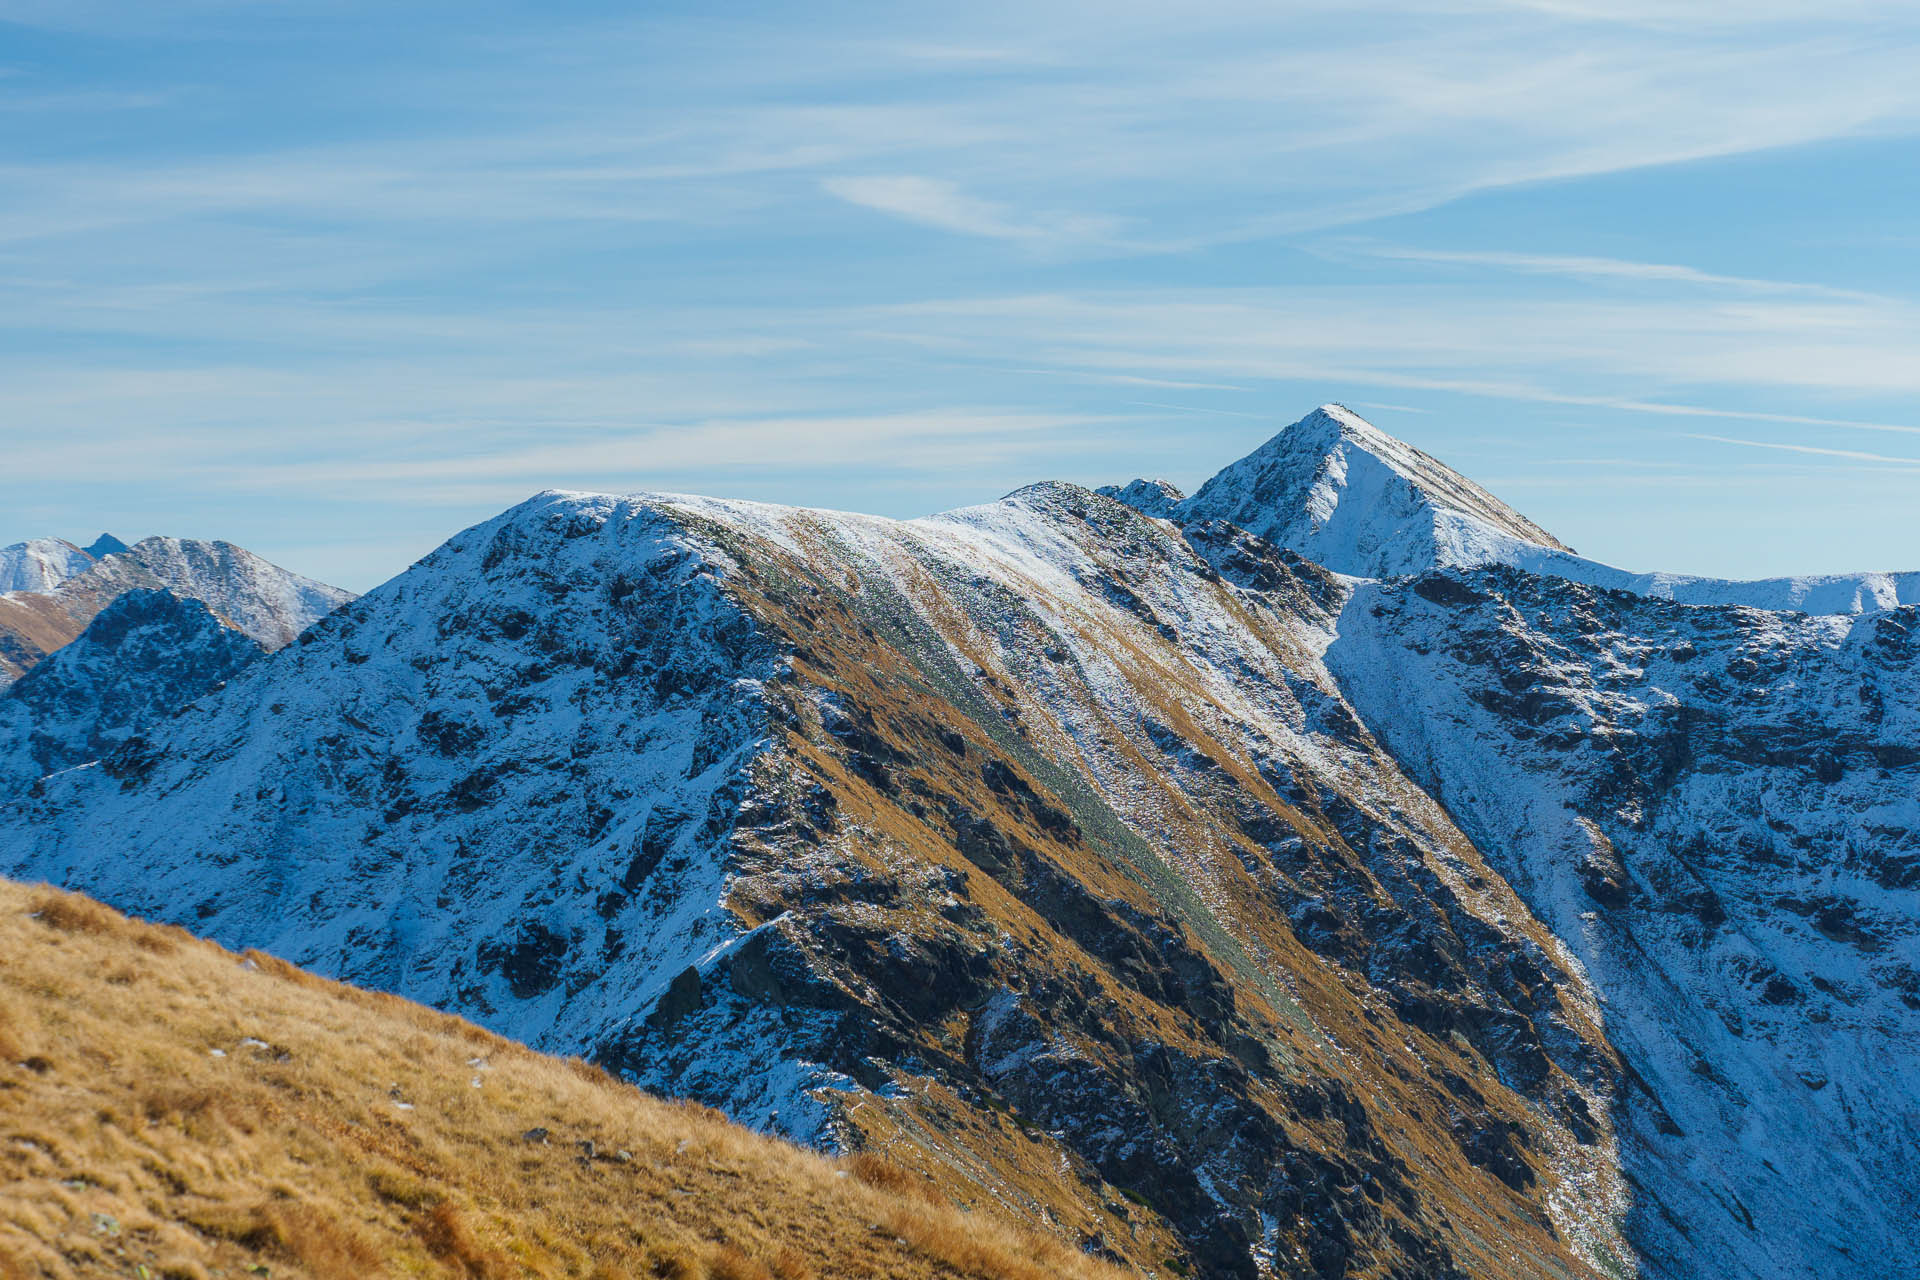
column 169, row 1108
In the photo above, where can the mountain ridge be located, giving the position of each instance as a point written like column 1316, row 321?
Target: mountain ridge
column 819, row 870
column 1185, row 897
column 41, row 564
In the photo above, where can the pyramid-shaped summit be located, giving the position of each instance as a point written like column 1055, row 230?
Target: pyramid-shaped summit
column 1343, row 493
column 1340, row 491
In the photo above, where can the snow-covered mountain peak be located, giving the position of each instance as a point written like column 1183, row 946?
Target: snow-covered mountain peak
column 271, row 604
column 1337, row 489
column 68, row 586
column 1149, row 497
column 41, row 564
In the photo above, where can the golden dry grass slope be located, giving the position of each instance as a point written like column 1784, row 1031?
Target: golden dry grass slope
column 170, row 1108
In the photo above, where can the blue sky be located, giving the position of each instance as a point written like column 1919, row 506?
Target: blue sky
column 333, row 280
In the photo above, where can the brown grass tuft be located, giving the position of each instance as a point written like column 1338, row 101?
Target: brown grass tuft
column 732, row 1263
column 878, row 1171
column 272, row 964
column 179, row 1105
column 402, row 1189
column 788, row 1265
column 592, row 1072
column 328, row 1248
column 161, row 939
column 452, row 1240
column 678, row 1262
column 72, row 913
column 13, row 1042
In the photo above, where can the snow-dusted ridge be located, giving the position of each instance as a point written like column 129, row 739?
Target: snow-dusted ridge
column 1450, row 920
column 1715, row 808
column 768, row 805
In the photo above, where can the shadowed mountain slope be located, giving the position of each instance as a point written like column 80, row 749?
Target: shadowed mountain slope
column 1716, row 809
column 142, row 658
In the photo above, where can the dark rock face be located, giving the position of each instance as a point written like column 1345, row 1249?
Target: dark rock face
column 144, row 657
column 1080, row 999
column 1713, row 807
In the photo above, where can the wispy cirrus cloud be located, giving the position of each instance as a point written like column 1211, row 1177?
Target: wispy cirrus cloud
column 1548, row 350
column 931, row 202
column 1820, row 451
column 1606, row 269
column 1212, row 125
column 339, row 258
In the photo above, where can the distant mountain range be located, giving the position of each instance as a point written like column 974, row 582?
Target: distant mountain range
column 1329, row 874
column 53, row 589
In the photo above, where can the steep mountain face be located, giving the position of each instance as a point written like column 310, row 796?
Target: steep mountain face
column 41, row 564
column 1031, row 843
column 262, row 600
column 1106, row 859
column 1716, row 810
column 142, row 658
column 1341, row 492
